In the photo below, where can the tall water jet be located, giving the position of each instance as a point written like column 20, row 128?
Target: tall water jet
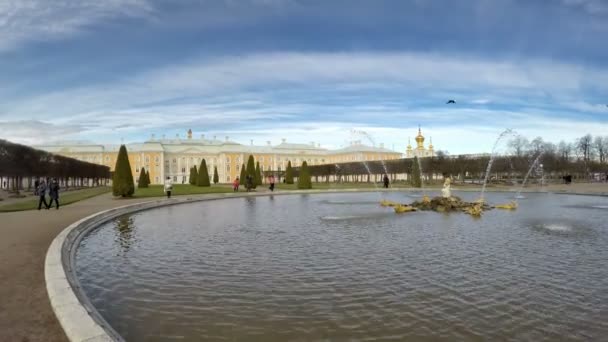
column 534, row 164
column 492, row 157
column 372, row 141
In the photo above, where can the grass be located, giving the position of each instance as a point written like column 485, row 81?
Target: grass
column 65, row 198
column 181, row 189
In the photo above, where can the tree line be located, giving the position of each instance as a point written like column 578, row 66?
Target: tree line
column 19, row 163
column 579, row 159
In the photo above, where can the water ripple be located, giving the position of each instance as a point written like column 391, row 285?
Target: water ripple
column 340, row 268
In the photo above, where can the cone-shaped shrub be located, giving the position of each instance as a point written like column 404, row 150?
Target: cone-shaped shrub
column 193, row 175
column 122, row 182
column 289, row 174
column 304, row 181
column 216, row 177
column 203, row 175
column 251, row 170
column 142, row 182
column 243, row 174
column 415, row 179
column 147, row 178
column 258, row 174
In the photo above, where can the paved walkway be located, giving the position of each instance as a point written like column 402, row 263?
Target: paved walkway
column 25, row 312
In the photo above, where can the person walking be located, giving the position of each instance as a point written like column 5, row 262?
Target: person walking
column 271, row 181
column 42, row 195
column 54, row 194
column 36, row 184
column 386, row 181
column 168, row 187
column 235, row 184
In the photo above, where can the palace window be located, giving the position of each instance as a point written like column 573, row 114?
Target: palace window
column 174, row 161
column 147, row 159
column 183, row 169
column 228, row 160
column 156, row 159
column 228, row 168
column 107, row 158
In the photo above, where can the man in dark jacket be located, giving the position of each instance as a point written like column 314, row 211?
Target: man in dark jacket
column 42, row 194
column 386, row 181
column 54, row 194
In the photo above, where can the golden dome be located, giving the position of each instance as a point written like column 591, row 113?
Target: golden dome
column 409, row 145
column 420, row 139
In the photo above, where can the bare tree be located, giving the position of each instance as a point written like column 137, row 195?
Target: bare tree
column 600, row 144
column 519, row 145
column 585, row 147
column 565, row 150
column 537, row 145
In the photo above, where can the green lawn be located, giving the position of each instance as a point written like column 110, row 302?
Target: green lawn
column 64, row 199
column 181, row 189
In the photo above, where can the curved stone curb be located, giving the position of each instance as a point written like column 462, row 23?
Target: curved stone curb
column 77, row 316
column 79, row 319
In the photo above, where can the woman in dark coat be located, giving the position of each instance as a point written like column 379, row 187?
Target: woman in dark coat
column 54, row 194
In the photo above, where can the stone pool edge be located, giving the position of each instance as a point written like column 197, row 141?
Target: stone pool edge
column 79, row 319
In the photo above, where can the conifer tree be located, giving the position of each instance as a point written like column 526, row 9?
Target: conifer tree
column 216, row 177
column 251, row 170
column 258, row 174
column 289, row 174
column 304, row 180
column 203, row 175
column 193, row 175
column 147, row 178
column 243, row 174
column 141, row 182
column 122, row 182
column 415, row 179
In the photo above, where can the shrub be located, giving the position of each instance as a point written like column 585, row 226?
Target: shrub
column 203, row 175
column 289, row 174
column 304, row 181
column 216, row 177
column 122, row 181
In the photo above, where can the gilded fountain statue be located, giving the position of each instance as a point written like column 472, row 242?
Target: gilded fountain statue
column 446, row 192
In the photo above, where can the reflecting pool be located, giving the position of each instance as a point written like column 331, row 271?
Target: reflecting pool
column 338, row 267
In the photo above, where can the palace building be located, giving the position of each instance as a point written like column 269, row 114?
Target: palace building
column 420, row 151
column 174, row 157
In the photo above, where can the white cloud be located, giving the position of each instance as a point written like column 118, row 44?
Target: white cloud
column 329, row 72
column 26, row 20
column 35, row 132
column 375, row 92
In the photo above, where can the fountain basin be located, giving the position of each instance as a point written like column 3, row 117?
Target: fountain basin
column 278, row 268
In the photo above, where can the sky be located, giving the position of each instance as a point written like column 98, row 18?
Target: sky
column 318, row 70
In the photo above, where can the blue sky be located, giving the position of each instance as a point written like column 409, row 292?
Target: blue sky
column 303, row 70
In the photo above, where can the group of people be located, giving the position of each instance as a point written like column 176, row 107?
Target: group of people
column 42, row 188
column 249, row 183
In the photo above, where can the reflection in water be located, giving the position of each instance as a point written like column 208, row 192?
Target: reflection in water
column 126, row 231
column 300, row 268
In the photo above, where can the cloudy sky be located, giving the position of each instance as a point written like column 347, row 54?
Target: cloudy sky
column 304, row 70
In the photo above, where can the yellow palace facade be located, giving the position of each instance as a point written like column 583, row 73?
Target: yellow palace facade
column 174, row 157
